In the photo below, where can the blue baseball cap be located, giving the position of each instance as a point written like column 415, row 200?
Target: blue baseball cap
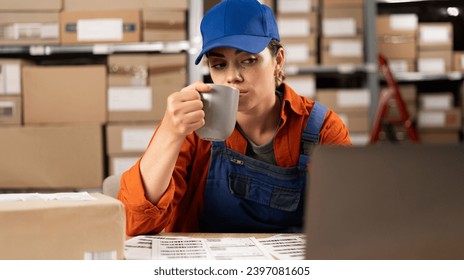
column 246, row 25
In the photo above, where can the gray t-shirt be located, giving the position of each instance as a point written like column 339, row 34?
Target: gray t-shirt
column 263, row 152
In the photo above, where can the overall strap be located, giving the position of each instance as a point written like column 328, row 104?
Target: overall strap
column 311, row 133
column 218, row 144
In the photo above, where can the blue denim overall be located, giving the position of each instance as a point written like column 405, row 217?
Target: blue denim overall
column 243, row 194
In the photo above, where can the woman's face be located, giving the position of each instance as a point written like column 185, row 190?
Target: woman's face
column 252, row 74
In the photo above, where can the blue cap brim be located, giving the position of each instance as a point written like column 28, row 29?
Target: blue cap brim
column 246, row 43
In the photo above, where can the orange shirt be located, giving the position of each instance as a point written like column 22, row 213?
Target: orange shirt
column 181, row 206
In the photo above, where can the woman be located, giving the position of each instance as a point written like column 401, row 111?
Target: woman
column 252, row 182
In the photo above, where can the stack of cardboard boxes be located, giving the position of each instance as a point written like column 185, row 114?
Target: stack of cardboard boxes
column 30, row 22
column 59, row 122
column 138, row 86
column 342, row 31
column 298, row 22
column 425, row 47
column 396, row 40
column 342, row 42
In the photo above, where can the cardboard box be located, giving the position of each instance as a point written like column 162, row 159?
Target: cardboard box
column 397, row 46
column 167, row 74
column 51, row 157
column 101, row 5
column 128, row 138
column 64, row 94
column 394, row 114
column 458, row 61
column 127, row 70
column 336, row 51
column 10, row 76
column 31, row 5
column 164, row 25
column 29, row 28
column 360, row 139
column 166, row 5
column 296, row 6
column 118, row 164
column 11, row 110
column 402, row 65
column 297, row 25
column 435, row 36
column 435, row 61
column 90, row 27
column 355, row 122
column 345, row 100
column 436, row 101
column 304, row 85
column 62, row 229
column 300, row 51
column 342, row 22
column 342, row 3
column 166, row 78
column 397, row 25
column 408, row 93
column 439, row 120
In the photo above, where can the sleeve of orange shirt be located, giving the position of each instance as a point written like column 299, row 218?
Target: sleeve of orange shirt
column 334, row 131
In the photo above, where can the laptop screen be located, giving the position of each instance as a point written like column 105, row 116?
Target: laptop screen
column 385, row 202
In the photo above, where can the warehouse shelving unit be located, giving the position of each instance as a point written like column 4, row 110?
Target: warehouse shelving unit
column 190, row 46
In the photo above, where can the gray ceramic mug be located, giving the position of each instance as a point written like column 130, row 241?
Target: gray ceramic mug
column 220, row 106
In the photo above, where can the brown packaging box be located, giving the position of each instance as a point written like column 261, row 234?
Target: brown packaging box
column 128, row 138
column 402, row 65
column 51, row 157
column 298, row 25
column 92, row 5
column 101, row 5
column 439, row 61
column 31, row 5
column 168, row 5
column 90, row 27
column 11, row 110
column 336, row 51
column 439, row 120
column 64, row 94
column 342, row 22
column 397, row 25
column 128, row 70
column 10, row 76
column 303, row 84
column 435, row 36
column 342, row 3
column 301, row 51
column 298, row 6
column 436, row 101
column 345, row 100
column 167, row 74
column 397, row 47
column 118, row 164
column 356, row 122
column 24, row 28
column 458, row 61
column 62, row 229
column 164, row 25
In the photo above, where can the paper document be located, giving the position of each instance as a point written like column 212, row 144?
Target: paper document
column 77, row 196
column 286, row 247
column 282, row 246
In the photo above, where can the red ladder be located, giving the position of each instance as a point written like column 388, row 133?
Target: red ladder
column 391, row 93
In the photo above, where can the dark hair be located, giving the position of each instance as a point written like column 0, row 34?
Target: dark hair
column 274, row 46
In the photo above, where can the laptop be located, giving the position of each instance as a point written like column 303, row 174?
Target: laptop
column 378, row 202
